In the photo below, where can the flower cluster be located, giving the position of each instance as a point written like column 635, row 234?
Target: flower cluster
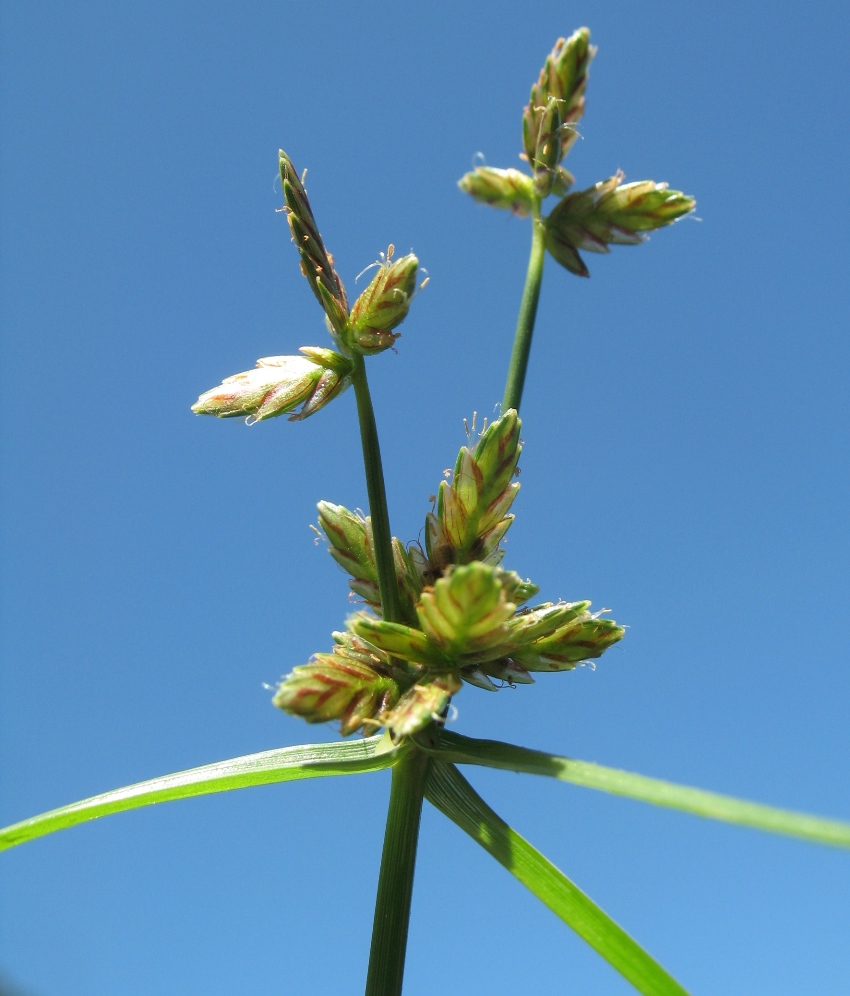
column 555, row 105
column 464, row 618
column 279, row 384
column 607, row 213
column 611, row 212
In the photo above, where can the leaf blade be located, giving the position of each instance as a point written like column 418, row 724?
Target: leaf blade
column 265, row 768
column 656, row 791
column 450, row 792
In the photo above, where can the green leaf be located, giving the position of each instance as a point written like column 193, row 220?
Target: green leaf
column 494, row 754
column 452, row 794
column 282, row 765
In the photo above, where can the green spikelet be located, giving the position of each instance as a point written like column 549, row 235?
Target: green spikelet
column 584, row 637
column 508, row 189
column 471, row 516
column 352, row 547
column 610, row 213
column 353, row 685
column 422, row 704
column 316, row 262
column 555, row 105
column 384, row 305
column 464, row 619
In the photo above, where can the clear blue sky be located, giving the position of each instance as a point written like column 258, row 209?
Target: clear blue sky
column 686, row 465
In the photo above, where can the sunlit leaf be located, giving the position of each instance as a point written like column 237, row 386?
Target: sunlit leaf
column 494, row 754
column 452, row 794
column 269, row 766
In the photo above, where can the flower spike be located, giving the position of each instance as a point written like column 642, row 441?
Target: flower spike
column 351, row 684
column 278, row 385
column 500, row 188
column 555, row 105
column 316, row 262
column 610, row 213
column 472, row 512
column 466, row 621
column 422, row 704
column 383, row 306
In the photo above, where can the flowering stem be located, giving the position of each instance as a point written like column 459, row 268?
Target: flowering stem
column 377, row 492
column 398, row 859
column 395, row 883
column 527, row 314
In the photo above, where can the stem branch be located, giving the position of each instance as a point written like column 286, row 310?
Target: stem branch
column 395, row 883
column 527, row 314
column 398, row 859
column 377, row 493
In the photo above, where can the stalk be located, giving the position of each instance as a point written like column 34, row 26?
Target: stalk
column 377, row 492
column 395, row 883
column 401, row 837
column 527, row 314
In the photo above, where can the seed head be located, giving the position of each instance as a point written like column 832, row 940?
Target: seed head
column 350, row 685
column 316, row 262
column 610, row 213
column 276, row 386
column 471, row 516
column 555, row 105
column 500, row 188
column 384, row 305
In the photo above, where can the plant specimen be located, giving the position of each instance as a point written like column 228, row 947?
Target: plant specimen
column 446, row 613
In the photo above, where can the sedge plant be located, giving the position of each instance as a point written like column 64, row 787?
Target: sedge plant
column 444, row 613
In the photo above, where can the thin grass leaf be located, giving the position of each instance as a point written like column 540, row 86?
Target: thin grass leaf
column 282, row 765
column 713, row 806
column 452, row 794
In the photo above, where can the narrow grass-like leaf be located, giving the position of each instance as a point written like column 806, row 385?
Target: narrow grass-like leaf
column 269, row 766
column 452, row 794
column 713, row 806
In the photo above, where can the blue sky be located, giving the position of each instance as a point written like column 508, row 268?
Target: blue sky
column 686, row 431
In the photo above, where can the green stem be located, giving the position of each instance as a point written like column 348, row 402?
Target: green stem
column 395, row 883
column 377, row 493
column 527, row 314
column 398, row 859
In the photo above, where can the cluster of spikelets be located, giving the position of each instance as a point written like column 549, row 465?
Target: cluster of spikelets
column 460, row 616
column 279, row 384
column 464, row 618
column 608, row 213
